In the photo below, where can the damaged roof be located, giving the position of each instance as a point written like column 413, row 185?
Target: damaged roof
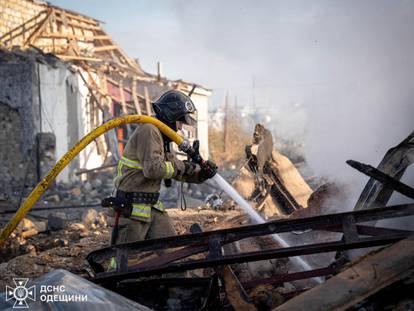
column 70, row 36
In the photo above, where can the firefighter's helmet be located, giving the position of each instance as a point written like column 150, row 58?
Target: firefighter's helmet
column 173, row 106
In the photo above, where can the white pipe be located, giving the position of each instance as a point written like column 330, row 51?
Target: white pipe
column 257, row 218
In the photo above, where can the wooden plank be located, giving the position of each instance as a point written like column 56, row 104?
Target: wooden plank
column 79, row 18
column 39, row 29
column 124, row 107
column 77, row 25
column 101, row 37
column 360, row 281
column 57, row 45
column 112, row 81
column 9, row 36
column 74, row 57
column 90, row 89
column 122, row 96
column 23, row 27
column 235, row 292
column 147, row 101
column 134, row 96
column 55, row 35
column 104, row 87
column 96, row 87
column 106, row 48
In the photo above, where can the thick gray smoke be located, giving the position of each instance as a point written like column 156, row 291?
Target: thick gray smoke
column 369, row 105
column 338, row 75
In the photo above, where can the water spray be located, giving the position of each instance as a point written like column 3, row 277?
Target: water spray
column 258, row 219
column 183, row 144
column 250, row 211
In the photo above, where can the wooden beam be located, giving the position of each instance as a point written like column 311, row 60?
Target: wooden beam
column 79, row 18
column 361, row 280
column 147, row 101
column 39, row 29
column 73, row 57
column 134, row 96
column 70, row 36
column 77, row 25
column 67, row 37
column 122, row 96
column 128, row 105
column 124, row 106
column 104, row 88
column 22, row 28
column 58, row 45
column 112, row 81
column 101, row 37
column 90, row 90
column 97, row 88
column 106, row 48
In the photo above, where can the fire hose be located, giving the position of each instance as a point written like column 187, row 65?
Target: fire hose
column 183, row 144
column 42, row 186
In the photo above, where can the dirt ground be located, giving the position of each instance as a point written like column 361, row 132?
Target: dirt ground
column 67, row 248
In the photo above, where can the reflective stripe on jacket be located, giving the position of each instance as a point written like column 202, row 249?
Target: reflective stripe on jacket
column 145, row 148
column 169, row 167
column 142, row 211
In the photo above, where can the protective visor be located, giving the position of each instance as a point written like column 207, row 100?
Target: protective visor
column 188, row 119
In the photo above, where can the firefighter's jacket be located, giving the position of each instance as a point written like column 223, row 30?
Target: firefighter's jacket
column 144, row 165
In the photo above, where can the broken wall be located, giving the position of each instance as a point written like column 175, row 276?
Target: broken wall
column 17, row 125
column 41, row 105
column 88, row 117
column 59, row 102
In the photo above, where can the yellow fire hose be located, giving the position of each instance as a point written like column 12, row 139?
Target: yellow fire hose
column 73, row 152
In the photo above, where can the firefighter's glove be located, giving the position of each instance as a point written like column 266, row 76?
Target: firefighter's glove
column 189, row 168
column 207, row 170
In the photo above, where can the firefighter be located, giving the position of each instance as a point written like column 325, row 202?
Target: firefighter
column 145, row 162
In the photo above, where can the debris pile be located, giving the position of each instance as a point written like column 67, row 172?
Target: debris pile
column 62, row 76
column 61, row 238
column 269, row 180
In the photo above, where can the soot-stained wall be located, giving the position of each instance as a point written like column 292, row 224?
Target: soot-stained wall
column 39, row 99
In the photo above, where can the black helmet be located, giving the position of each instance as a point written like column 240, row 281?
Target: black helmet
column 174, row 106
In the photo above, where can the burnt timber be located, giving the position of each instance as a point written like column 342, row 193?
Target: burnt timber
column 208, row 241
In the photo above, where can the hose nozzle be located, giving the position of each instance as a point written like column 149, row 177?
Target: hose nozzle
column 192, row 151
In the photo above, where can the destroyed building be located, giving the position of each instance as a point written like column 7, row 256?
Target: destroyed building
column 61, row 76
column 256, row 245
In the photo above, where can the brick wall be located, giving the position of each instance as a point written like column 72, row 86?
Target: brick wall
column 15, row 13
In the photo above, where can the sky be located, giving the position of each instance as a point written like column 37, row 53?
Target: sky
column 335, row 74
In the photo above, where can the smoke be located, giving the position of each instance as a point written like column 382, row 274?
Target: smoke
column 368, row 108
column 337, row 75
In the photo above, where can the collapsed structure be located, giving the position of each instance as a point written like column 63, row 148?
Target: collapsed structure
column 243, row 263
column 62, row 75
column 233, row 264
column 270, row 180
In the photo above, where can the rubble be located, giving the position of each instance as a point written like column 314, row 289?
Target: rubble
column 269, row 180
column 55, row 63
column 56, row 221
column 70, row 234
